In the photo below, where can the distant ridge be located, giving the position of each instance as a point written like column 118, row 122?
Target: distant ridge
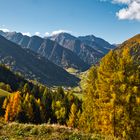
column 97, row 43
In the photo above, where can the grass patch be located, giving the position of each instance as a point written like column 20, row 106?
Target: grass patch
column 3, row 93
column 72, row 70
column 16, row 131
column 79, row 95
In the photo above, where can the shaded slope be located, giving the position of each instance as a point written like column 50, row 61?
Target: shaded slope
column 33, row 66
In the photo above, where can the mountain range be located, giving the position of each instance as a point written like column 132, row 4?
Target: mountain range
column 97, row 43
column 63, row 49
column 89, row 50
column 45, row 59
column 32, row 66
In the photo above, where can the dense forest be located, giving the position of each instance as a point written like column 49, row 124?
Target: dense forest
column 111, row 102
column 35, row 103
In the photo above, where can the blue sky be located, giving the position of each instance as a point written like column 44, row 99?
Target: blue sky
column 79, row 17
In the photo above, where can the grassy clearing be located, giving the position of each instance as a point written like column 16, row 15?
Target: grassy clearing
column 3, row 93
column 16, row 131
column 72, row 70
column 79, row 95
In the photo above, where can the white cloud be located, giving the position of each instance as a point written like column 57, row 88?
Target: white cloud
column 131, row 12
column 4, row 29
column 37, row 33
column 27, row 33
column 60, row 31
column 47, row 34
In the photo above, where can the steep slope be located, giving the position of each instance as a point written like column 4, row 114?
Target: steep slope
column 49, row 49
column 96, row 43
column 33, row 66
column 132, row 45
column 114, row 86
column 85, row 52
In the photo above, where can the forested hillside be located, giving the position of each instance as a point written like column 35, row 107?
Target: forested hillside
column 34, row 103
column 110, row 107
column 112, row 93
column 69, row 69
